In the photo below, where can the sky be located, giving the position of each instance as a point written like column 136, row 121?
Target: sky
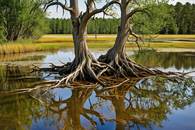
column 54, row 13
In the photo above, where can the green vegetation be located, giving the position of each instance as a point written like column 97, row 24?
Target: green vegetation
column 184, row 16
column 95, row 26
column 21, row 19
column 175, row 19
column 153, row 19
column 151, row 58
column 16, row 23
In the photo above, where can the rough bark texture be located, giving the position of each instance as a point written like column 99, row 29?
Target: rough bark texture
column 84, row 65
column 81, row 67
column 116, row 56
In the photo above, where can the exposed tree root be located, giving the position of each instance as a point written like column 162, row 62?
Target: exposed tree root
column 91, row 71
column 124, row 67
column 87, row 69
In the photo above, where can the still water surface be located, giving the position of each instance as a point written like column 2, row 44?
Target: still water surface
column 141, row 104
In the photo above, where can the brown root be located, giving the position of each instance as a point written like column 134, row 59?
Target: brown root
column 124, row 67
column 87, row 69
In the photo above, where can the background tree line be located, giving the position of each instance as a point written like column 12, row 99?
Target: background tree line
column 95, row 26
column 21, row 19
column 180, row 20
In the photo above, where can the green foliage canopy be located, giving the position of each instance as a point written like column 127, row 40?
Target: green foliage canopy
column 21, row 19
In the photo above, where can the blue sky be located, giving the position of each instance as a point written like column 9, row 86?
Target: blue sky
column 53, row 13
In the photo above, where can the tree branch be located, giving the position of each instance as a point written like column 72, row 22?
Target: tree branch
column 137, row 10
column 89, row 5
column 64, row 6
column 128, row 1
column 96, row 11
column 137, row 38
column 88, row 14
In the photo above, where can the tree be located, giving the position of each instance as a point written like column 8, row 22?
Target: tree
column 2, row 31
column 21, row 18
column 84, row 65
column 158, row 18
column 115, row 62
column 116, row 56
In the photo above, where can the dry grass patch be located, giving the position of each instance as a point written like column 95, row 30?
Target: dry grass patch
column 55, row 42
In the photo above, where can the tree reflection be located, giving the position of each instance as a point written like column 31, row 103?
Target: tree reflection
column 148, row 102
column 16, row 112
column 166, row 59
column 70, row 110
column 137, row 104
column 17, row 77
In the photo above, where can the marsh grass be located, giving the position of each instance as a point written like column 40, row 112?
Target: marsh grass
column 55, row 42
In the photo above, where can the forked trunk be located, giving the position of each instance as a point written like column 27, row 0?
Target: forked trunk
column 80, row 68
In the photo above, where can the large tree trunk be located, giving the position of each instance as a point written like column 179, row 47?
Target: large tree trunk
column 116, row 56
column 118, row 49
column 83, row 65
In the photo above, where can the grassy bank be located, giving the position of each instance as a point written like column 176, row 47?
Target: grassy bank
column 55, row 42
column 14, row 48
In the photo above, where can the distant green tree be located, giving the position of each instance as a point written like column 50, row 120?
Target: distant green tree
column 2, row 38
column 178, row 16
column 95, row 26
column 193, row 19
column 184, row 17
column 2, row 30
column 22, row 18
column 166, row 19
column 155, row 18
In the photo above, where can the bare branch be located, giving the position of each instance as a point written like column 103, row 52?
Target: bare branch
column 57, row 3
column 89, row 4
column 128, row 1
column 96, row 11
column 137, row 10
column 137, row 38
column 90, row 13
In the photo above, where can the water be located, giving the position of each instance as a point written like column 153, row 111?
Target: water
column 152, row 103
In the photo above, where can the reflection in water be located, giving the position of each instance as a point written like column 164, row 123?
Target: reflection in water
column 178, row 60
column 17, row 112
column 15, row 77
column 139, row 104
column 70, row 110
column 148, row 102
